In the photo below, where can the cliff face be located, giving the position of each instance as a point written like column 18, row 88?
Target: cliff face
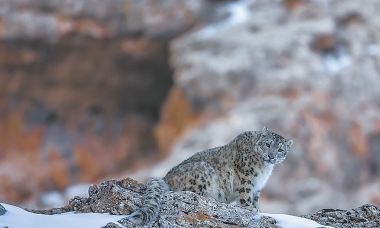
column 90, row 89
column 81, row 88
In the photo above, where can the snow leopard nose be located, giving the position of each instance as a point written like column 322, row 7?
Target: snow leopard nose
column 271, row 156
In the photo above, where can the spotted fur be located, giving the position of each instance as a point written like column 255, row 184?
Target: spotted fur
column 155, row 190
column 239, row 170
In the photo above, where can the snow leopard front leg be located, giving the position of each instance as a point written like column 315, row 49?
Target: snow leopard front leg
column 247, row 198
column 255, row 200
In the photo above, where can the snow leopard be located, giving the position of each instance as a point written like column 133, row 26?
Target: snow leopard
column 236, row 171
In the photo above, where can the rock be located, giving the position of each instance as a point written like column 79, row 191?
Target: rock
column 365, row 216
column 187, row 209
column 112, row 225
column 53, row 211
column 2, row 210
column 51, row 20
column 179, row 209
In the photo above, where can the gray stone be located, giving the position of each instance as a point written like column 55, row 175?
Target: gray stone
column 2, row 210
column 363, row 216
column 112, row 225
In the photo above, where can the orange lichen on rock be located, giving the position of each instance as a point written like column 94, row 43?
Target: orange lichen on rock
column 130, row 180
column 66, row 25
column 359, row 142
column 7, row 189
column 376, row 127
column 291, row 94
column 89, row 165
column 323, row 44
column 14, row 137
column 318, row 131
column 58, row 170
column 292, row 4
column 176, row 117
column 194, row 218
column 19, row 157
column 375, row 199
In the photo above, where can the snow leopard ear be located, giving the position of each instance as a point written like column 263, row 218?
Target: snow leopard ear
column 265, row 131
column 289, row 142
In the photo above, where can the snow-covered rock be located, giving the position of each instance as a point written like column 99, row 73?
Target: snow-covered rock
column 108, row 203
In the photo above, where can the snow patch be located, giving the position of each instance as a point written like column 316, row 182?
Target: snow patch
column 52, row 199
column 373, row 49
column 337, row 60
column 290, row 221
column 58, row 199
column 16, row 217
column 77, row 190
column 238, row 13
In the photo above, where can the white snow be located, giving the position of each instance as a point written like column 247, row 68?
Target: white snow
column 52, row 199
column 373, row 49
column 335, row 62
column 16, row 217
column 59, row 199
column 77, row 190
column 290, row 221
column 238, row 13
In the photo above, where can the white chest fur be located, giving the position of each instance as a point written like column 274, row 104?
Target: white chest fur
column 262, row 178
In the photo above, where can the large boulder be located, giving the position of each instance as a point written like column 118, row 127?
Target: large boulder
column 179, row 209
column 188, row 209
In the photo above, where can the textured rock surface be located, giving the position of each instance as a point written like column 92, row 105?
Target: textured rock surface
column 2, row 210
column 187, row 209
column 364, row 216
column 114, row 197
column 179, row 209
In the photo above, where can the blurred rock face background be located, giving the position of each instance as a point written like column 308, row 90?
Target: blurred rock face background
column 92, row 90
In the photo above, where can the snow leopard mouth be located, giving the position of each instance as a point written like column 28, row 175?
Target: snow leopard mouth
column 270, row 161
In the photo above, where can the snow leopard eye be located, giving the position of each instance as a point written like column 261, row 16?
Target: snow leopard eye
column 280, row 150
column 268, row 145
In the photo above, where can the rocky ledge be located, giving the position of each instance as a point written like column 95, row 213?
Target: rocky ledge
column 364, row 216
column 187, row 209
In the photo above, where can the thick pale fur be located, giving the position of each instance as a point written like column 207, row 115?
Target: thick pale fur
column 155, row 191
column 239, row 170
